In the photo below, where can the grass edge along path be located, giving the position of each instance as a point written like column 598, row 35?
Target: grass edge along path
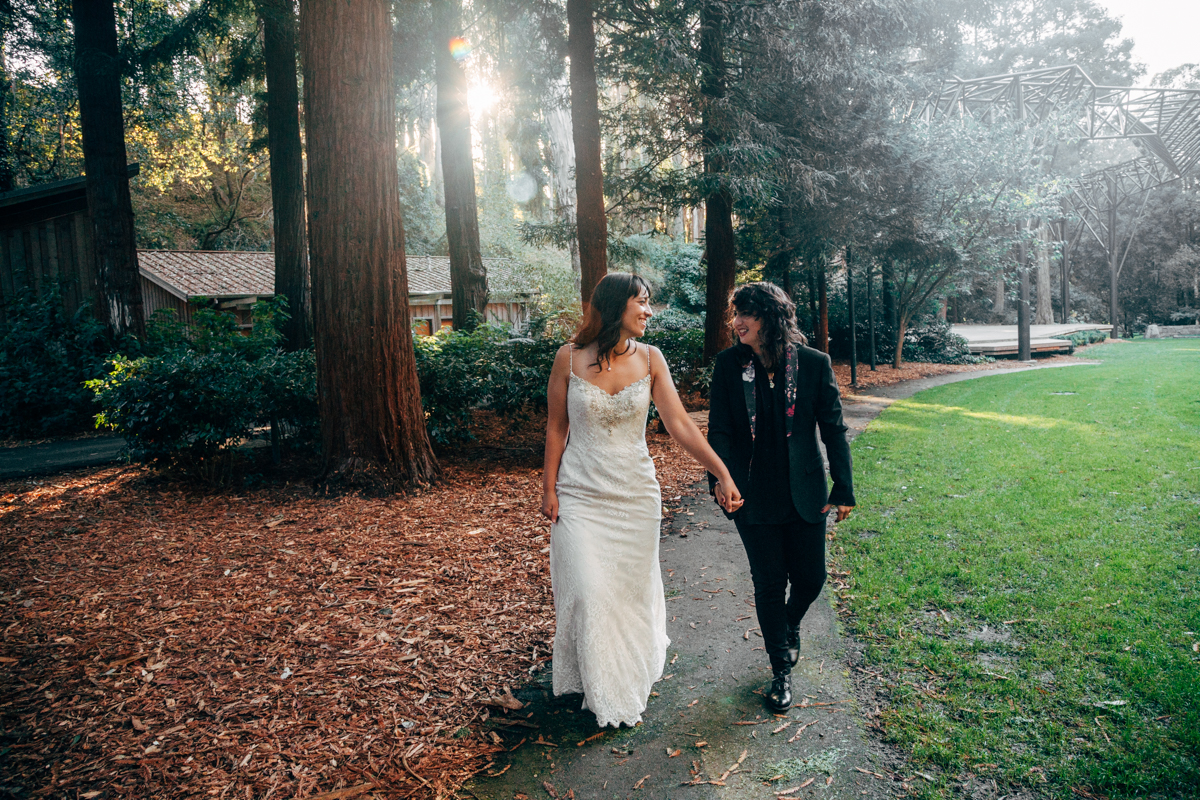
column 1024, row 566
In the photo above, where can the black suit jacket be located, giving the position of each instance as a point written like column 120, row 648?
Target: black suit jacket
column 818, row 407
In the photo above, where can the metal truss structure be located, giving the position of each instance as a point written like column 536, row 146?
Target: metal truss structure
column 1164, row 122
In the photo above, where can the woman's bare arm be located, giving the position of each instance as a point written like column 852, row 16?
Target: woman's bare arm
column 684, row 430
column 557, row 427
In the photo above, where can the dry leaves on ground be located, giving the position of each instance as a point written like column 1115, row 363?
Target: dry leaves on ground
column 160, row 641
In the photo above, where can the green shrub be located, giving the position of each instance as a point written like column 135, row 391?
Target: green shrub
column 934, row 342
column 45, row 357
column 1083, row 338
column 684, row 353
column 460, row 371
column 206, row 389
column 488, row 367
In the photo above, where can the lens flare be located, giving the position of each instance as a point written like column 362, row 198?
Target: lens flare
column 459, row 49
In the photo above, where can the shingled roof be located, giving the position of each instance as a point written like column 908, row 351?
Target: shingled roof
column 242, row 273
column 210, row 273
column 431, row 275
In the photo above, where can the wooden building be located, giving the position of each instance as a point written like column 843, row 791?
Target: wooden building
column 45, row 241
column 429, row 293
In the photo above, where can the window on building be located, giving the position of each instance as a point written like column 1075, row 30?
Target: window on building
column 423, row 327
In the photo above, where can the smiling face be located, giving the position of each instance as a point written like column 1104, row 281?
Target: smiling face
column 637, row 315
column 747, row 328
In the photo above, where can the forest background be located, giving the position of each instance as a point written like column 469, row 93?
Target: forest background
column 819, row 146
column 776, row 141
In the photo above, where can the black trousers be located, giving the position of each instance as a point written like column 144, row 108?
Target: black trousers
column 781, row 554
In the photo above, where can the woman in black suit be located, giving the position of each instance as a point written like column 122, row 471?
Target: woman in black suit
column 770, row 395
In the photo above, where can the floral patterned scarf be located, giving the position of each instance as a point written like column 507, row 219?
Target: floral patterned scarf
column 789, row 390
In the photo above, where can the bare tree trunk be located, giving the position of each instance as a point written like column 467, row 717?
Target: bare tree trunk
column 287, row 169
column 1044, row 314
column 97, row 75
column 823, row 307
column 372, row 426
column 591, row 223
column 810, row 279
column 1000, row 298
column 468, row 278
column 562, row 157
column 719, row 244
column 898, row 353
column 6, row 165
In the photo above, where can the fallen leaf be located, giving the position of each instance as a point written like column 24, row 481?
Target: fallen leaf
column 505, row 701
column 138, row 725
column 672, row 753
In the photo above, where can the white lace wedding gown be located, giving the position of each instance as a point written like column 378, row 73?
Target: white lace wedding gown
column 611, row 637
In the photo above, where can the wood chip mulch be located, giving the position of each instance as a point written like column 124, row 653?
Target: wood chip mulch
column 158, row 640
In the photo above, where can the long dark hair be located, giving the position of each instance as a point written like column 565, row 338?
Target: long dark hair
column 771, row 306
column 602, row 323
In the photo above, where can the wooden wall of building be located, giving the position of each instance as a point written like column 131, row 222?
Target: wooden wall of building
column 42, row 254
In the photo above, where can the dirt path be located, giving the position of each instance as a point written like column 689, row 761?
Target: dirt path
column 707, row 734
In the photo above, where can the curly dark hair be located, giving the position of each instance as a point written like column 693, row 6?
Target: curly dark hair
column 771, row 306
column 602, row 324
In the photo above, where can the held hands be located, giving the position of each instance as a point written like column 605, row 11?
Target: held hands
column 728, row 496
column 842, row 511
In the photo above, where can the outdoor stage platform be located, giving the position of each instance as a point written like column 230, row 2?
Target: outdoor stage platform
column 1001, row 340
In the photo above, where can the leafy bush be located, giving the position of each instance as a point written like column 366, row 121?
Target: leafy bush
column 676, row 319
column 460, row 371
column 45, row 357
column 676, row 266
column 934, row 342
column 1083, row 338
column 684, row 353
column 205, row 391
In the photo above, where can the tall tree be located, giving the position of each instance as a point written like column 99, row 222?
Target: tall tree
column 468, row 278
column 372, row 426
column 6, row 165
column 98, row 79
column 719, row 244
column 287, row 168
column 590, row 219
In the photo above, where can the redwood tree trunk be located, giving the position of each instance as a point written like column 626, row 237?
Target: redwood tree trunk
column 287, row 169
column 97, row 76
column 590, row 223
column 372, row 426
column 719, row 244
column 468, row 278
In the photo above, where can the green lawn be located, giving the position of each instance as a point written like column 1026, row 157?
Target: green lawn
column 1025, row 574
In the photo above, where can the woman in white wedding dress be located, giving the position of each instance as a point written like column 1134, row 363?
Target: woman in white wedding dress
column 600, row 493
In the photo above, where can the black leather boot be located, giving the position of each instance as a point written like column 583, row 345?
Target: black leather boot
column 793, row 644
column 779, row 699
